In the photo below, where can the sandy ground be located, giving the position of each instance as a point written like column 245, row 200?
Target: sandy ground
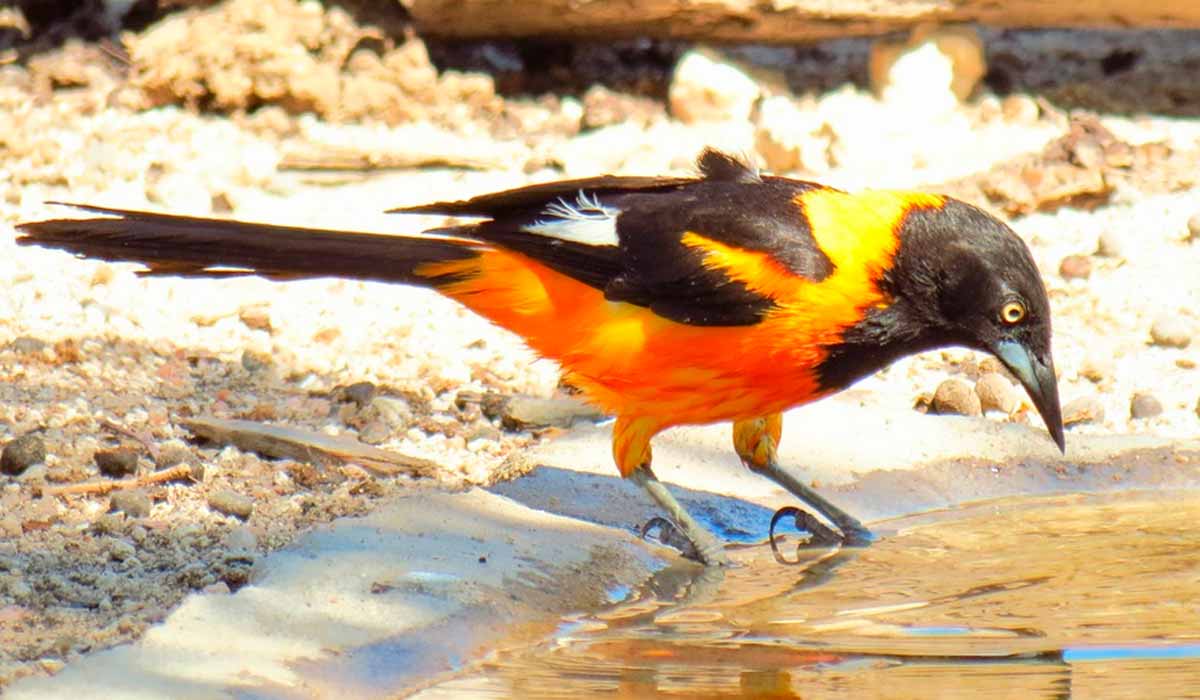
column 220, row 129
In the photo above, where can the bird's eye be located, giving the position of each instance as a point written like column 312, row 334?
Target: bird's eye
column 1012, row 312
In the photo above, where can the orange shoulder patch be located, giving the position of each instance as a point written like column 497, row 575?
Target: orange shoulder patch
column 760, row 272
column 859, row 230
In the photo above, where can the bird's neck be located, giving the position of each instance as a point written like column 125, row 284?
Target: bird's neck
column 882, row 337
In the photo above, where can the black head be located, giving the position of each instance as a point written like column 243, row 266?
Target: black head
column 968, row 279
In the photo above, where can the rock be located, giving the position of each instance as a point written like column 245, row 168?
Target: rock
column 955, row 397
column 133, row 502
column 120, row 550
column 22, row 453
column 934, row 69
column 374, row 432
column 1144, row 405
column 1185, row 363
column 1111, row 244
column 117, row 463
column 996, row 394
column 27, row 345
column 256, row 318
column 395, row 412
column 109, row 524
column 241, row 539
column 360, row 393
column 231, row 503
column 1020, row 108
column 1193, row 227
column 1086, row 409
column 172, row 453
column 1075, row 267
column 255, row 362
column 523, row 412
column 708, row 87
column 1171, row 331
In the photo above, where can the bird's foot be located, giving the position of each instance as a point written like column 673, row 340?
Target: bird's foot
column 665, row 532
column 819, row 534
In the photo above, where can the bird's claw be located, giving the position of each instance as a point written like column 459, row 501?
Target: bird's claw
column 671, row 536
column 819, row 534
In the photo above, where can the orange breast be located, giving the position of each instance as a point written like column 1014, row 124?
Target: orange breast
column 630, row 361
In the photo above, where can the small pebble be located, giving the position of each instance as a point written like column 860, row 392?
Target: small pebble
column 996, row 394
column 522, row 412
column 256, row 318
column 255, row 362
column 1185, row 363
column 109, row 523
column 117, row 463
column 1171, row 331
column 22, row 453
column 1111, row 245
column 27, row 345
column 1144, row 406
column 1193, row 227
column 241, row 539
column 1086, row 409
column 360, row 393
column 955, row 397
column 172, row 453
column 374, row 433
column 133, row 502
column 121, row 550
column 231, row 503
column 1075, row 267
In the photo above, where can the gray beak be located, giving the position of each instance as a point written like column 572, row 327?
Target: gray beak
column 1036, row 374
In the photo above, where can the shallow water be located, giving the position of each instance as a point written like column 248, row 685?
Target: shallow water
column 1076, row 596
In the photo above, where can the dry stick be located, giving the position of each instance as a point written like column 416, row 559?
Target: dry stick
column 143, row 439
column 175, row 473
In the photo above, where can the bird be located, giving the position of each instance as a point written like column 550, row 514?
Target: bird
column 728, row 295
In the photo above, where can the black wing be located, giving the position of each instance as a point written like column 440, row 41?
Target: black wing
column 646, row 262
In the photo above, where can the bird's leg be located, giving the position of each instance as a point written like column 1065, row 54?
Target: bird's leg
column 631, row 450
column 756, row 441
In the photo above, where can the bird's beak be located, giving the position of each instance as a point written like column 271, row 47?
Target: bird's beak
column 1036, row 374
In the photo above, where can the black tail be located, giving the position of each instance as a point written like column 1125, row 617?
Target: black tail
column 196, row 247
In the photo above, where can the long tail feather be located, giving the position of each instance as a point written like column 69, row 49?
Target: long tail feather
column 198, row 247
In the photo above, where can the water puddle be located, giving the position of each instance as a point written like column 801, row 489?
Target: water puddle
column 1065, row 596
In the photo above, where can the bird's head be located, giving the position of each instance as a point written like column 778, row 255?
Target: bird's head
column 971, row 281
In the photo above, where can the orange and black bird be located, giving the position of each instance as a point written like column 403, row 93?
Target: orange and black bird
column 729, row 296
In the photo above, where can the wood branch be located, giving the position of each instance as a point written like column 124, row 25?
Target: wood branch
column 95, row 488
column 307, row 446
column 773, row 20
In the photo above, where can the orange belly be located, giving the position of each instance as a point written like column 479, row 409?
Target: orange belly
column 632, row 362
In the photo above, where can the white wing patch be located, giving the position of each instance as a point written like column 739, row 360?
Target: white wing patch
column 585, row 221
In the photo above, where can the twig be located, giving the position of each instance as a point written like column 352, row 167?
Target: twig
column 142, row 439
column 97, row 488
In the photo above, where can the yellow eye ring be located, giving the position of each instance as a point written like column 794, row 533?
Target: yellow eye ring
column 1012, row 312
